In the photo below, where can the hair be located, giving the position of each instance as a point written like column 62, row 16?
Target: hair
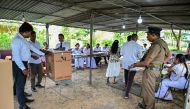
column 45, row 43
column 189, row 45
column 129, row 38
column 115, row 47
column 182, row 59
column 134, row 36
column 77, row 44
column 61, row 35
column 33, row 32
column 25, row 27
column 87, row 45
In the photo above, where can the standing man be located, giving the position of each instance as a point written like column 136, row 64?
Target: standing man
column 62, row 45
column 35, row 64
column 128, row 39
column 21, row 54
column 152, row 61
column 131, row 52
column 97, row 49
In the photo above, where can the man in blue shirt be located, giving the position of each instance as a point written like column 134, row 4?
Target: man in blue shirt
column 20, row 56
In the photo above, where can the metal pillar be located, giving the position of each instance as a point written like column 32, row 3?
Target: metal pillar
column 137, row 27
column 91, row 34
column 47, row 33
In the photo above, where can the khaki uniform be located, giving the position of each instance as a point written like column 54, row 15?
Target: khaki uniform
column 157, row 53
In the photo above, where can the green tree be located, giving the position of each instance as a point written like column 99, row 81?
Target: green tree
column 5, row 41
column 107, row 41
column 122, row 37
column 7, row 31
column 41, row 36
column 177, row 38
column 75, row 33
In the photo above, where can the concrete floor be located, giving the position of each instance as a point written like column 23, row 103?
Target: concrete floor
column 80, row 95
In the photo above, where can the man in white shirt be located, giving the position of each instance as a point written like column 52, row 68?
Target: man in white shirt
column 35, row 64
column 20, row 56
column 97, row 49
column 131, row 52
column 62, row 45
column 106, row 50
column 128, row 39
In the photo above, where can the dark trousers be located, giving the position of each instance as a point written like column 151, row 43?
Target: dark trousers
column 105, row 59
column 97, row 59
column 19, row 83
column 129, row 76
column 35, row 70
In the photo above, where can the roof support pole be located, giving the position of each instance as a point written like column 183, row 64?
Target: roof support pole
column 137, row 27
column 91, row 35
column 47, row 33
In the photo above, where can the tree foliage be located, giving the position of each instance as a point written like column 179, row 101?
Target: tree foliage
column 5, row 41
column 122, row 37
column 8, row 31
column 75, row 33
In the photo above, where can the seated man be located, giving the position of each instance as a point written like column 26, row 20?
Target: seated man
column 106, row 49
column 86, row 51
column 97, row 49
column 179, row 72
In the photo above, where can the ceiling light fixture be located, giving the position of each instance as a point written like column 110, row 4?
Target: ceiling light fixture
column 139, row 20
column 123, row 26
column 23, row 18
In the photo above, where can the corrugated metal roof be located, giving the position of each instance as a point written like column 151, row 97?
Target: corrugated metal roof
column 109, row 15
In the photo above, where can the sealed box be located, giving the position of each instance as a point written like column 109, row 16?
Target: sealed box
column 58, row 65
column 6, row 85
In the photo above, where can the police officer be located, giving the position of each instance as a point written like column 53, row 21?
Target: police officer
column 153, row 60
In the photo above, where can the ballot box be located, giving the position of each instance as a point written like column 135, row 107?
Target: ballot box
column 6, row 85
column 58, row 65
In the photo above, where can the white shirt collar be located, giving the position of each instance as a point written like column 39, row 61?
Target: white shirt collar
column 20, row 35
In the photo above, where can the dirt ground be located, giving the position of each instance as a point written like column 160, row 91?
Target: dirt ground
column 78, row 94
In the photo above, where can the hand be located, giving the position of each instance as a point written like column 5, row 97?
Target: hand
column 47, row 53
column 130, row 66
column 35, row 57
column 25, row 72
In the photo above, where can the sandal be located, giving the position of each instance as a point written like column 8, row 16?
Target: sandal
column 140, row 105
column 126, row 97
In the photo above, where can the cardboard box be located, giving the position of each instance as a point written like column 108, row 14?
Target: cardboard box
column 6, row 85
column 58, row 65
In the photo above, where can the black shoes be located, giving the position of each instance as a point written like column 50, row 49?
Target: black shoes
column 141, row 106
column 34, row 89
column 27, row 94
column 29, row 100
column 39, row 86
column 24, row 107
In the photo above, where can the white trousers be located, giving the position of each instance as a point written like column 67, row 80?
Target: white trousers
column 166, row 83
column 93, row 63
column 79, row 62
